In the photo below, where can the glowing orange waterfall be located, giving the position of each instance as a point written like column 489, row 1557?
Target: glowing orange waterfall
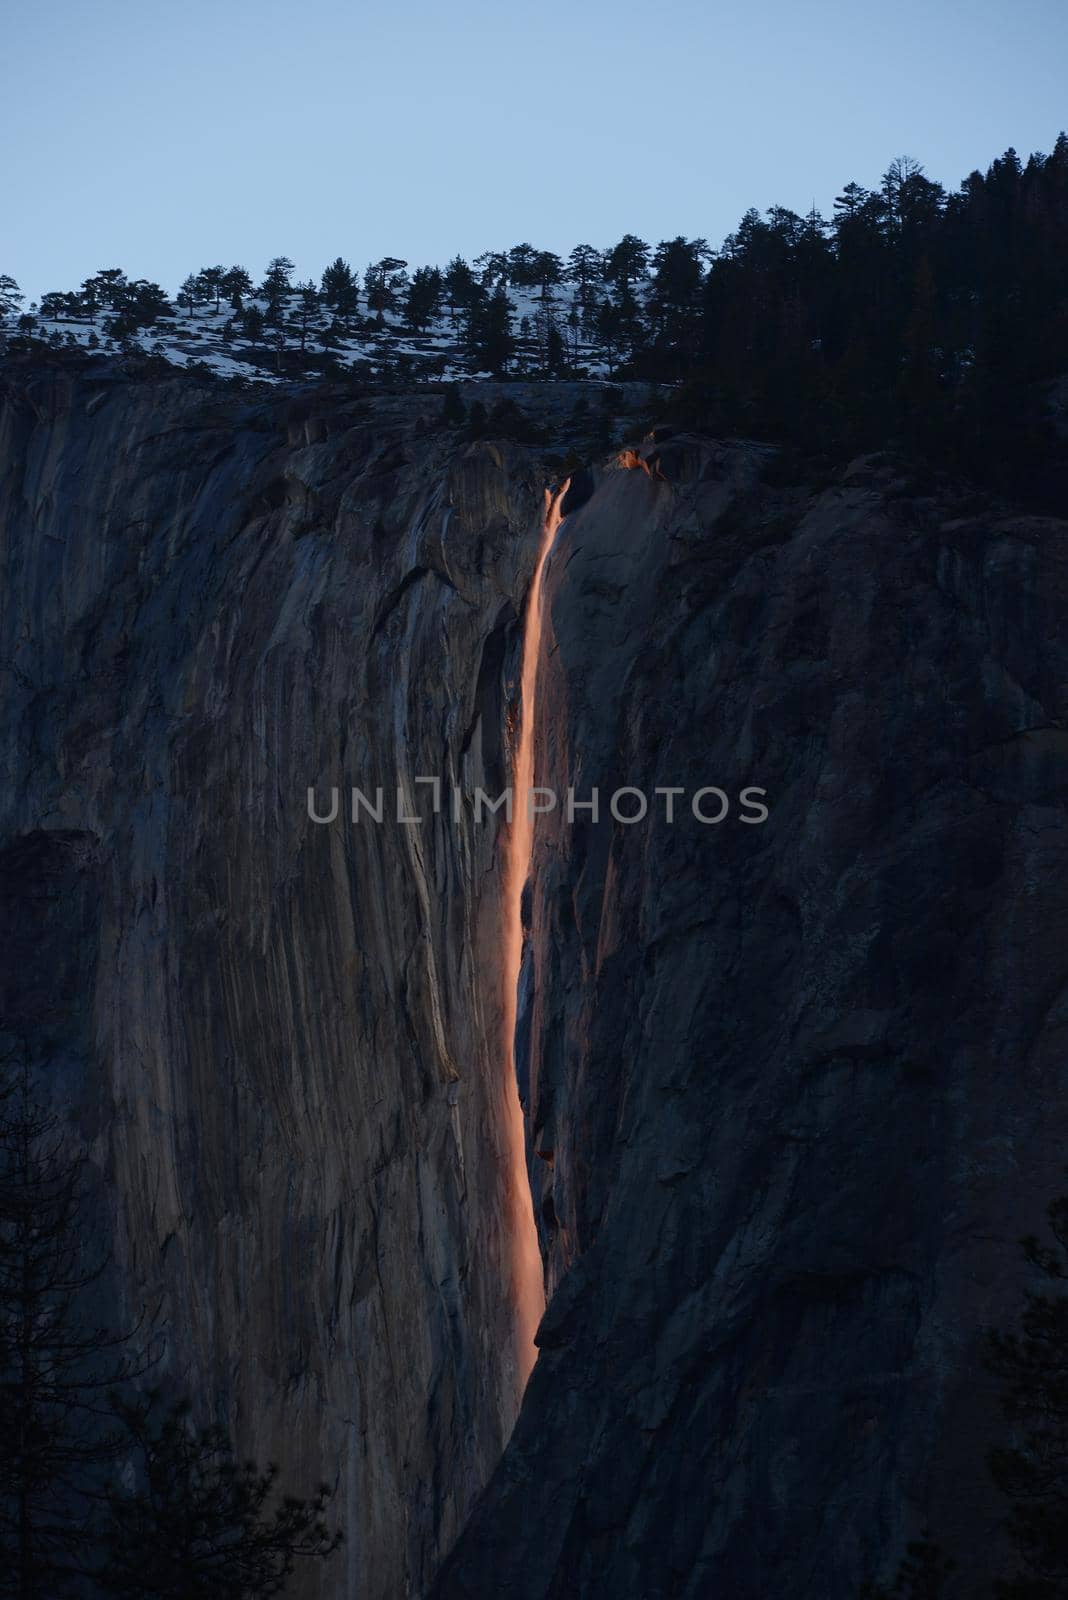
column 527, row 1281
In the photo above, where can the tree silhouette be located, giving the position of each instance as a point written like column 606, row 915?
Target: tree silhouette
column 934, row 323
column 252, row 322
column 307, row 310
column 489, row 339
column 585, row 267
column 627, row 261
column 522, row 266
column 276, row 279
column 1032, row 1471
column 101, row 1490
column 11, row 296
column 213, row 280
column 104, row 288
column 385, row 282
column 423, row 297
column 461, row 286
column 339, row 288
column 236, row 283
column 193, row 292
column 58, row 1363
column 199, row 1523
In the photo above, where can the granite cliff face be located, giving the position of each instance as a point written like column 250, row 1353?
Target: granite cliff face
column 793, row 1089
column 281, row 1039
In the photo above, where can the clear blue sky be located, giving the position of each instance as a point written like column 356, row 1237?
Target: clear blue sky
column 163, row 138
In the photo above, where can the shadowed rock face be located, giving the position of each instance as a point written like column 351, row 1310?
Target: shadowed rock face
column 797, row 1088
column 281, row 1040
column 793, row 1090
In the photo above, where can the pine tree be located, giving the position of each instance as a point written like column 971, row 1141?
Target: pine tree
column 522, row 266
column 236, row 283
column 424, row 297
column 191, row 293
column 275, row 284
column 274, row 313
column 111, row 281
column 145, row 303
column 339, row 288
column 489, row 341
column 574, row 328
column 212, row 279
column 461, row 286
column 307, row 310
column 850, row 203
column 493, row 269
column 617, row 326
column 585, row 269
column 58, row 1365
column 548, row 272
column 920, row 369
column 895, row 183
column 608, row 330
column 675, row 292
column 627, row 261
column 90, row 298
column 938, row 320
column 11, row 296
column 555, row 350
column 198, row 1524
column 104, row 289
column 331, row 336
column 551, row 346
column 385, row 282
column 252, row 321
column 1032, row 1471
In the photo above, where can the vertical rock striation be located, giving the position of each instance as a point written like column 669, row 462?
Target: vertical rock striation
column 792, row 1090
column 795, row 1089
column 282, row 1041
